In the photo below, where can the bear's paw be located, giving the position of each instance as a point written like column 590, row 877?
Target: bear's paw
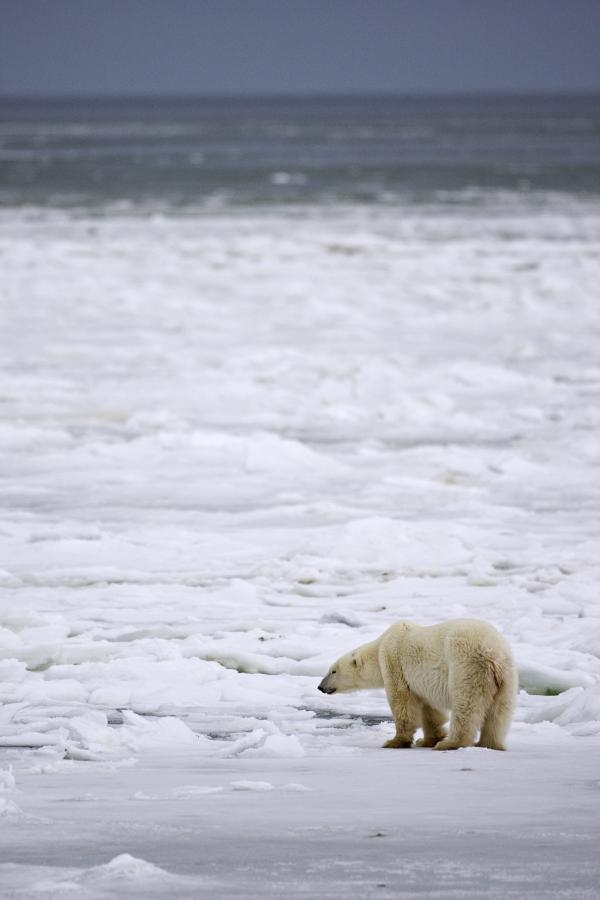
column 398, row 743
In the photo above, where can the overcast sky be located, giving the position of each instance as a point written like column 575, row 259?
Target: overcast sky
column 295, row 46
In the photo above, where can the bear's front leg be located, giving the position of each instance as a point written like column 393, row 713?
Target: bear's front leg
column 406, row 709
column 406, row 713
column 433, row 722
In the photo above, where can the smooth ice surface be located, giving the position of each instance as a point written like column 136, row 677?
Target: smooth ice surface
column 237, row 445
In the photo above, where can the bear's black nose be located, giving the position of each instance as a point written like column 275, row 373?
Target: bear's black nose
column 326, row 690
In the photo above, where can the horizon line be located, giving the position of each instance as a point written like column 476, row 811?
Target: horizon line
column 300, row 95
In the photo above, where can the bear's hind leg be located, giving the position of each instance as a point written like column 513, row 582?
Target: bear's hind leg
column 471, row 698
column 462, row 733
column 499, row 716
column 433, row 722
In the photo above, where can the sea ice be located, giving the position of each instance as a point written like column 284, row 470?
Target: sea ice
column 232, row 451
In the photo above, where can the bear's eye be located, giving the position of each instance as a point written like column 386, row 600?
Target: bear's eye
column 333, row 671
column 354, row 663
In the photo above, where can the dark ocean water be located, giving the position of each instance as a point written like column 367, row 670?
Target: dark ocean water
column 227, row 152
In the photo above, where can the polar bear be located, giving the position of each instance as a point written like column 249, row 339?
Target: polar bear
column 463, row 666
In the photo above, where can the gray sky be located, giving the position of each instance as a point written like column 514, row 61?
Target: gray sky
column 295, row 46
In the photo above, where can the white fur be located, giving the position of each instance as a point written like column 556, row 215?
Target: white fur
column 463, row 666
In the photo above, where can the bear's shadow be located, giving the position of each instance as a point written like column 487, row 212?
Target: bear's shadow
column 347, row 720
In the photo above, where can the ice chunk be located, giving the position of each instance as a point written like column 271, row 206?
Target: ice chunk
column 279, row 745
column 576, row 707
column 251, row 785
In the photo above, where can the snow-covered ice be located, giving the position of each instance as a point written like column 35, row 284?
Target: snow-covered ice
column 236, row 445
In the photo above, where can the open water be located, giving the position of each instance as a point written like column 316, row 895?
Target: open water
column 224, row 152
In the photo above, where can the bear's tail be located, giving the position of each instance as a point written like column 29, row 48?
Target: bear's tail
column 498, row 669
column 497, row 672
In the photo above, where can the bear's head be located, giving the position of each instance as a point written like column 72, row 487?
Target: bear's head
column 342, row 676
column 356, row 671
